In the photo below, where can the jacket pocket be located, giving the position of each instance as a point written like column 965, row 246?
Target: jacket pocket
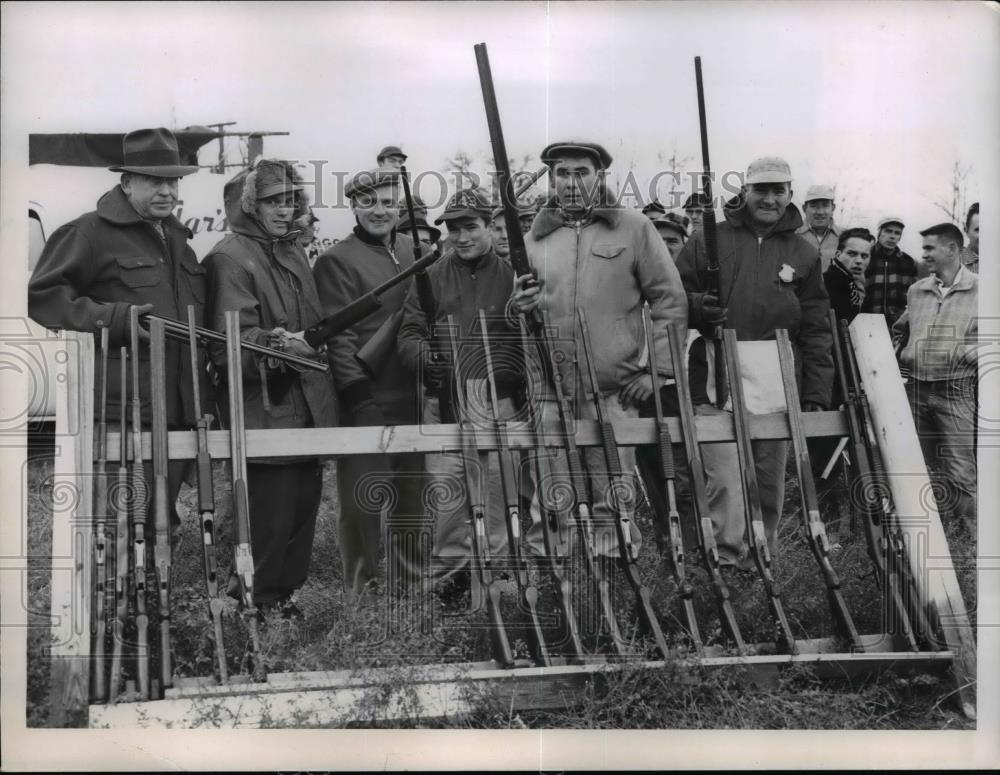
column 606, row 250
column 138, row 271
column 197, row 281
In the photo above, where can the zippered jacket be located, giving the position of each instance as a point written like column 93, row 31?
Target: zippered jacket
column 609, row 266
column 344, row 273
column 767, row 283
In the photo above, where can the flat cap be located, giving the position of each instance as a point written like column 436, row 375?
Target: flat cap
column 391, row 150
column 654, row 209
column 467, row 202
column 421, row 223
column 819, row 192
column 890, row 219
column 523, row 211
column 697, row 201
column 768, row 169
column 366, row 180
column 555, row 151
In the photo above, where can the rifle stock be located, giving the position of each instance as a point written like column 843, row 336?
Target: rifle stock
column 121, row 507
column 139, row 494
column 161, row 513
column 373, row 353
column 98, row 683
column 206, row 505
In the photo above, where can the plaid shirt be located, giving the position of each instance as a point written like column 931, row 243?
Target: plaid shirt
column 887, row 279
column 941, row 328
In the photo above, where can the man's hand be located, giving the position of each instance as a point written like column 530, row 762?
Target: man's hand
column 525, row 299
column 144, row 309
column 711, row 312
column 638, row 391
column 435, row 369
column 810, row 406
column 366, row 414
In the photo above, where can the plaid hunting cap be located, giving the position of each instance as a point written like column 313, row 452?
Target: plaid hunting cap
column 368, row 180
column 554, row 151
column 467, row 202
column 391, row 150
column 819, row 192
column 671, row 221
column 768, row 169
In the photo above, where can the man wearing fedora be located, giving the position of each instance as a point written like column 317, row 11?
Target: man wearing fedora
column 130, row 251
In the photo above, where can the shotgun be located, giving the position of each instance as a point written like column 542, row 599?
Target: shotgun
column 99, row 687
column 161, row 504
column 706, row 531
column 242, row 551
column 709, row 230
column 121, row 503
column 622, row 510
column 508, row 483
column 897, row 566
column 759, row 549
column 206, row 504
column 473, row 463
column 666, row 454
column 139, row 496
column 812, row 523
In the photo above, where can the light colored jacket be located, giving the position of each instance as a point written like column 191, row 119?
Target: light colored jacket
column 827, row 247
column 942, row 331
column 609, row 267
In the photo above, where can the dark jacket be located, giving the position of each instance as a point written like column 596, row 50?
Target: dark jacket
column 759, row 301
column 95, row 267
column 268, row 281
column 462, row 288
column 346, row 272
column 887, row 279
column 839, row 286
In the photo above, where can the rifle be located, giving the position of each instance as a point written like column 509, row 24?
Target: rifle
column 508, row 483
column 176, row 329
column 713, row 285
column 322, row 332
column 581, row 510
column 477, row 505
column 897, row 565
column 616, row 485
column 812, row 523
column 243, row 554
column 877, row 542
column 666, row 453
column 706, row 531
column 206, row 505
column 98, row 683
column 428, row 305
column 546, row 353
column 161, row 513
column 751, row 495
column 121, row 506
column 139, row 494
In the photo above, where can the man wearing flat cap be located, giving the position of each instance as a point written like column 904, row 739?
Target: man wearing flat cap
column 130, row 251
column 890, row 273
column 470, row 277
column 770, row 278
column 819, row 228
column 391, row 158
column 673, row 230
column 591, row 253
column 694, row 207
column 374, row 252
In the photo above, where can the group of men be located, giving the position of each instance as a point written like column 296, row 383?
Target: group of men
column 586, row 252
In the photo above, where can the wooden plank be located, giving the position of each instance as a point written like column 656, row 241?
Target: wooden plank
column 929, row 555
column 362, row 698
column 337, row 442
column 72, row 528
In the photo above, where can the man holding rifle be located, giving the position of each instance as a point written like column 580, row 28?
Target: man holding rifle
column 373, row 253
column 589, row 252
column 471, row 278
column 770, row 278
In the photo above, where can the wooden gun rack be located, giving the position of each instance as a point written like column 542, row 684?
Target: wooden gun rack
column 327, row 698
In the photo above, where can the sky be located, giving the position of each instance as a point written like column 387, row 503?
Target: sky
column 879, row 99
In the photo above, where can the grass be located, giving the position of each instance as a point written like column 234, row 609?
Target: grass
column 336, row 635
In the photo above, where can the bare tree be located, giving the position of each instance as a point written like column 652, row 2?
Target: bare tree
column 954, row 205
column 676, row 168
column 461, row 164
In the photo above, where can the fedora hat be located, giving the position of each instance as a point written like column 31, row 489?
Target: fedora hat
column 152, row 152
